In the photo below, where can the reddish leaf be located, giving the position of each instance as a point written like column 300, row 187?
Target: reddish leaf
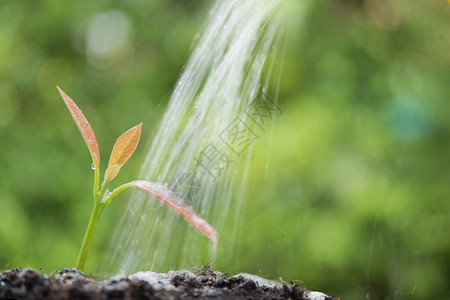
column 83, row 126
column 124, row 148
column 176, row 203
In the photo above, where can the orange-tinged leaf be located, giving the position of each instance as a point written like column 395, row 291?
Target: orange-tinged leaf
column 177, row 204
column 125, row 146
column 83, row 125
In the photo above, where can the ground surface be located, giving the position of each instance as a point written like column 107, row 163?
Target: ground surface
column 206, row 284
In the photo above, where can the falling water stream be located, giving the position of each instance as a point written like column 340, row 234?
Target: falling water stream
column 204, row 144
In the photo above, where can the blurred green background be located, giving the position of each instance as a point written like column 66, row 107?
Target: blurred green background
column 354, row 198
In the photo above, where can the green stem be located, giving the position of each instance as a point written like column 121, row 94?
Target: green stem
column 114, row 193
column 93, row 221
column 96, row 181
column 99, row 205
column 89, row 235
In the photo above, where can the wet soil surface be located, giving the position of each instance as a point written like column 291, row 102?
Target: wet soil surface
column 72, row 284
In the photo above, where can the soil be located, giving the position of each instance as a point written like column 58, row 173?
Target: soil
column 205, row 284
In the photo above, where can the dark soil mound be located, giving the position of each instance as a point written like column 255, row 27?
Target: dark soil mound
column 72, row 284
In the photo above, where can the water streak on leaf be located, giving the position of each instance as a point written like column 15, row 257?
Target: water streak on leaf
column 83, row 125
column 177, row 204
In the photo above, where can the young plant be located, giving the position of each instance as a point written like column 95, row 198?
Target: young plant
column 122, row 150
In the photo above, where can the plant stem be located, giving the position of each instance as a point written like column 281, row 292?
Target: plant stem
column 96, row 181
column 93, row 221
column 114, row 193
column 99, row 205
column 89, row 235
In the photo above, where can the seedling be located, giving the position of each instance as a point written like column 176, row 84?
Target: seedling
column 122, row 150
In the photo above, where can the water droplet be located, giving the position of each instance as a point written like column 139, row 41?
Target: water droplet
column 93, row 166
column 106, row 194
column 89, row 142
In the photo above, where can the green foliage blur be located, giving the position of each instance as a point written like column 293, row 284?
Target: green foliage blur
column 353, row 197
